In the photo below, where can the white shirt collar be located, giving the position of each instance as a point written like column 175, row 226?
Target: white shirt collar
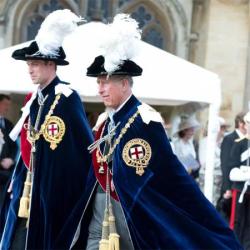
column 122, row 105
column 240, row 134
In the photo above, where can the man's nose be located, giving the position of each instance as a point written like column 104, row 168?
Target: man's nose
column 30, row 70
column 100, row 88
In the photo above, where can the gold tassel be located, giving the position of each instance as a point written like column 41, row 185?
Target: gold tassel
column 23, row 211
column 113, row 236
column 114, row 241
column 104, row 242
column 24, row 206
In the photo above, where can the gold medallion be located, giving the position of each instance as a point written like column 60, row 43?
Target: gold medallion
column 137, row 153
column 54, row 130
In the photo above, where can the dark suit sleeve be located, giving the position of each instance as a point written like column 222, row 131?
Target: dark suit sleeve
column 10, row 147
column 226, row 147
column 235, row 155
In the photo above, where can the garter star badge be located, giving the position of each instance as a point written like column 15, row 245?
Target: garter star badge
column 137, row 153
column 54, row 130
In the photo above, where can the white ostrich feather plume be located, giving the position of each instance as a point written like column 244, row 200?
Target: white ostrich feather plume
column 53, row 30
column 120, row 42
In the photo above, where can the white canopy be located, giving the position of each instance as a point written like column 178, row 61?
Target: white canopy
column 166, row 79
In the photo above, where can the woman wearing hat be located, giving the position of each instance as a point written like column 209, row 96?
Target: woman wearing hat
column 184, row 145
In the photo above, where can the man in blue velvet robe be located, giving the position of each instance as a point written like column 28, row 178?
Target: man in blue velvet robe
column 56, row 132
column 156, row 204
column 138, row 195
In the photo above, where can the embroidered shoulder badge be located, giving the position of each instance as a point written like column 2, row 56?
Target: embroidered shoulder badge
column 54, row 130
column 137, row 153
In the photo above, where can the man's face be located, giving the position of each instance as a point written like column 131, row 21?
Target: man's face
column 243, row 127
column 246, row 128
column 4, row 106
column 111, row 90
column 39, row 71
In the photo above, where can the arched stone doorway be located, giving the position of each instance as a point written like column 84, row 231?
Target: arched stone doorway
column 30, row 14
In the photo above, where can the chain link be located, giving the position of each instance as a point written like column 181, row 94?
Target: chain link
column 103, row 158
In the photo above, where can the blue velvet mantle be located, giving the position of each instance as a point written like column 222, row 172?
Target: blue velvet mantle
column 164, row 208
column 59, row 179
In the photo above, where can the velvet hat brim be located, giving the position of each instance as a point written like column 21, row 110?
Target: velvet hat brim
column 32, row 53
column 127, row 68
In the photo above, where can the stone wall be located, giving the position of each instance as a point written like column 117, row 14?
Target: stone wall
column 227, row 51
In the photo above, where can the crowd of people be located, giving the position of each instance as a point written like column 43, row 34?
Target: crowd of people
column 121, row 185
column 231, row 164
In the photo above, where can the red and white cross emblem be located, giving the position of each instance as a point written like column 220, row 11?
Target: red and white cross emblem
column 136, row 152
column 53, row 129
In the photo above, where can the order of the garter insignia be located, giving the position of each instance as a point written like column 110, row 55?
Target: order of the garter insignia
column 54, row 130
column 137, row 153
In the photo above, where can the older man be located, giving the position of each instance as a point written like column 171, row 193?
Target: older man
column 138, row 192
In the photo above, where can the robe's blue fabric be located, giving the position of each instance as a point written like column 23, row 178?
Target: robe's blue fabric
column 164, row 208
column 59, row 179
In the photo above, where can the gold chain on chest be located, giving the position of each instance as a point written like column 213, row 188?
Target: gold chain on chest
column 103, row 158
column 32, row 137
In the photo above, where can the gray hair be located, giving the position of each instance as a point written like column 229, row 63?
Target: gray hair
column 127, row 77
column 130, row 80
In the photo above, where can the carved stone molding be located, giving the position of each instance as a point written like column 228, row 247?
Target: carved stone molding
column 24, row 12
column 180, row 24
column 236, row 2
column 4, row 9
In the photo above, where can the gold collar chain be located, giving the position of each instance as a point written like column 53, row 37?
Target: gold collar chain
column 103, row 158
column 35, row 136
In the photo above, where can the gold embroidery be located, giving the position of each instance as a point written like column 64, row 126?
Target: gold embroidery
column 103, row 158
column 54, row 130
column 137, row 153
column 33, row 135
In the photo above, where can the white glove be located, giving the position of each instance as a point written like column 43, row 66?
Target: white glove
column 1, row 137
column 240, row 174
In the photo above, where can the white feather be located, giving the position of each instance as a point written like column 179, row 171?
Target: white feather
column 53, row 30
column 121, row 41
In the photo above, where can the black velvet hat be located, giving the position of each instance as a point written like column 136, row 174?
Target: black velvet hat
column 127, row 68
column 32, row 53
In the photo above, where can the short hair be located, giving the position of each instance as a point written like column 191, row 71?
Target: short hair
column 239, row 118
column 130, row 80
column 122, row 77
column 46, row 62
column 3, row 96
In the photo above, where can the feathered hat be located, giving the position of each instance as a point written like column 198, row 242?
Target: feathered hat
column 48, row 42
column 119, row 45
column 187, row 122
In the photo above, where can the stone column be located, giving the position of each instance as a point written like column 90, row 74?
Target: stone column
column 247, row 82
column 2, row 32
column 227, row 51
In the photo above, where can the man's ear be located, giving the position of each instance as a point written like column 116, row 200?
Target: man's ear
column 125, row 83
column 53, row 64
